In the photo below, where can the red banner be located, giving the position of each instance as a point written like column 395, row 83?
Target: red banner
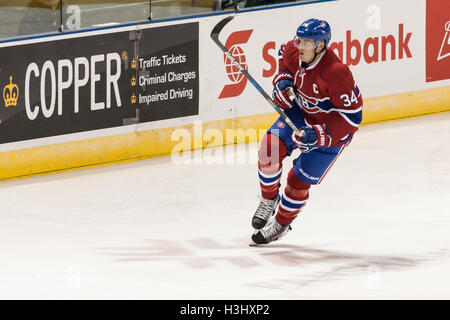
column 438, row 40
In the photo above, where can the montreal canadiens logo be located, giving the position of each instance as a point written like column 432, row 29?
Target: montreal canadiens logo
column 309, row 104
column 238, row 81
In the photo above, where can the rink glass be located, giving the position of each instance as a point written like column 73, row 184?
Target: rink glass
column 26, row 17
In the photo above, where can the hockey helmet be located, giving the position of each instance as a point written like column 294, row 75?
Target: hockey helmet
column 315, row 29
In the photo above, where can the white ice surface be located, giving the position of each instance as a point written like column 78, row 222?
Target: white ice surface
column 378, row 227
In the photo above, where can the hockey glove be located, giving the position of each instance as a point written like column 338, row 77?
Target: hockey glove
column 283, row 89
column 314, row 137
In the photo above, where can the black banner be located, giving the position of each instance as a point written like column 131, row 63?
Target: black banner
column 99, row 81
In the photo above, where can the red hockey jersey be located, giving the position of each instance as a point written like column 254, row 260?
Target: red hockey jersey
column 327, row 93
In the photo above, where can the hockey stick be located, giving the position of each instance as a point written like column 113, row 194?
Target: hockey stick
column 215, row 36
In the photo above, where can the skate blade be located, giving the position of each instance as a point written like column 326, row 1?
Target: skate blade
column 254, row 244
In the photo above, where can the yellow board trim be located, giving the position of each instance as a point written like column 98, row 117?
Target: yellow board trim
column 155, row 143
column 406, row 105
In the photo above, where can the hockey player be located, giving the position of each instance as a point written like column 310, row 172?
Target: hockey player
column 327, row 108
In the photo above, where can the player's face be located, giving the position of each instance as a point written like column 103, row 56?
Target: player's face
column 306, row 48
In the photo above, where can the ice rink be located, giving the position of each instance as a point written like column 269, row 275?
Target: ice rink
column 378, row 227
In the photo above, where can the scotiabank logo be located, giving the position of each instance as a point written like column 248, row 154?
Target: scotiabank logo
column 438, row 40
column 444, row 52
column 374, row 49
column 352, row 51
column 236, row 77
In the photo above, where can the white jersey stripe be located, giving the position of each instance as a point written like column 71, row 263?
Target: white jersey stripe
column 335, row 109
column 348, row 120
column 283, row 75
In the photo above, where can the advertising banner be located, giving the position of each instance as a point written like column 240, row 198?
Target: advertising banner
column 438, row 40
column 383, row 50
column 102, row 81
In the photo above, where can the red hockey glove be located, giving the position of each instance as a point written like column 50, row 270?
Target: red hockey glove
column 283, row 90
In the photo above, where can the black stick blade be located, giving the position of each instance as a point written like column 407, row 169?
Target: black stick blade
column 219, row 26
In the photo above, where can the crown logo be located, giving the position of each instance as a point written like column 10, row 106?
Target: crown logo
column 133, row 63
column 133, row 98
column 133, row 81
column 10, row 93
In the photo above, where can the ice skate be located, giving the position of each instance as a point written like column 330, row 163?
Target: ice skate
column 271, row 232
column 265, row 210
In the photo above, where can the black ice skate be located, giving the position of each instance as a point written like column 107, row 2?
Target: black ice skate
column 265, row 210
column 271, row 232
